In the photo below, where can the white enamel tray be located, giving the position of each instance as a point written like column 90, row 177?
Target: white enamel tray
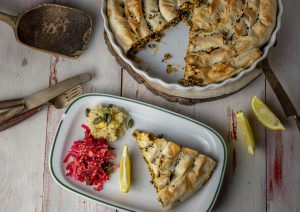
column 175, row 42
column 142, row 196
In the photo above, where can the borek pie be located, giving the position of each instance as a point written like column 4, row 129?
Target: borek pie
column 225, row 35
column 177, row 172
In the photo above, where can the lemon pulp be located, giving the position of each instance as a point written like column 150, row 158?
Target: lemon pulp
column 125, row 169
column 246, row 130
column 265, row 115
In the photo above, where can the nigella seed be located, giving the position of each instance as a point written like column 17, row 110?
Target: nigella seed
column 172, row 176
column 87, row 181
column 151, row 136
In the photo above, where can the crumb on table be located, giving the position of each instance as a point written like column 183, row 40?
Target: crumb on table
column 170, row 69
column 151, row 46
column 158, row 37
column 167, row 56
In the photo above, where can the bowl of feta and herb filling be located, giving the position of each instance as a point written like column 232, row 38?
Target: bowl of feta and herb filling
column 109, row 122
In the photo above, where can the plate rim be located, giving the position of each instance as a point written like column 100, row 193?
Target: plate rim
column 75, row 191
column 265, row 50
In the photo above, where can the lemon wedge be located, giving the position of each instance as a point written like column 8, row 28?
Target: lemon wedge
column 125, row 169
column 265, row 115
column 246, row 130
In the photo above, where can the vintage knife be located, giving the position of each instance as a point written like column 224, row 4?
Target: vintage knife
column 45, row 95
column 282, row 96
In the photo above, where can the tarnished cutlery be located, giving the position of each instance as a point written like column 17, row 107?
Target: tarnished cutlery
column 43, row 96
column 59, row 102
column 286, row 103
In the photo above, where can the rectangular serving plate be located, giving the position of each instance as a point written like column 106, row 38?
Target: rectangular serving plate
column 142, row 195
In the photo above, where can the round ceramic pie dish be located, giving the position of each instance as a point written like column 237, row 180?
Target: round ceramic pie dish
column 149, row 62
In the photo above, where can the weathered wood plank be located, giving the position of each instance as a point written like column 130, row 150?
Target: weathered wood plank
column 106, row 79
column 283, row 148
column 244, row 183
column 23, row 146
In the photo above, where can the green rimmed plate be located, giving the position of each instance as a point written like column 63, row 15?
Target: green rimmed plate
column 142, row 195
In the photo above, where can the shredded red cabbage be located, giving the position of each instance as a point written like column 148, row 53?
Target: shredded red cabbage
column 91, row 160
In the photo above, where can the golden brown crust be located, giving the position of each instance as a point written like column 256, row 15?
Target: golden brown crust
column 202, row 72
column 266, row 20
column 135, row 17
column 182, row 188
column 119, row 25
column 153, row 15
column 136, row 22
column 225, row 38
column 180, row 170
column 168, row 9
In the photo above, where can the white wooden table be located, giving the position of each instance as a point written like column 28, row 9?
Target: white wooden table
column 268, row 181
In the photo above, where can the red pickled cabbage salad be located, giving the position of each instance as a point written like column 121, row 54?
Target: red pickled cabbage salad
column 92, row 160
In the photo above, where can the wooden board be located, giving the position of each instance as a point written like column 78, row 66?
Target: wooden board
column 21, row 185
column 186, row 97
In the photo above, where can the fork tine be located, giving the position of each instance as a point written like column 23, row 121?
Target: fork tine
column 59, row 102
column 72, row 90
column 66, row 98
column 75, row 94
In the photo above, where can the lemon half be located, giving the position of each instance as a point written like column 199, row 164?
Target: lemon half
column 265, row 115
column 246, row 130
column 125, row 169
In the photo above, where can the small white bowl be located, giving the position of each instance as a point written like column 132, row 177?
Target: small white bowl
column 153, row 69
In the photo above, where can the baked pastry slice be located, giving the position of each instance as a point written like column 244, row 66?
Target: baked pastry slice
column 177, row 172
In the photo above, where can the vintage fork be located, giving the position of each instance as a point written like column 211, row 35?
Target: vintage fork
column 58, row 102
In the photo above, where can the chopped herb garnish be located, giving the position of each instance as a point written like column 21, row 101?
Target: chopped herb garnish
column 97, row 120
column 104, row 111
column 130, row 123
column 108, row 118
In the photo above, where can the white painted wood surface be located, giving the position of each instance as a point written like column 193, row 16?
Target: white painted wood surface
column 268, row 181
